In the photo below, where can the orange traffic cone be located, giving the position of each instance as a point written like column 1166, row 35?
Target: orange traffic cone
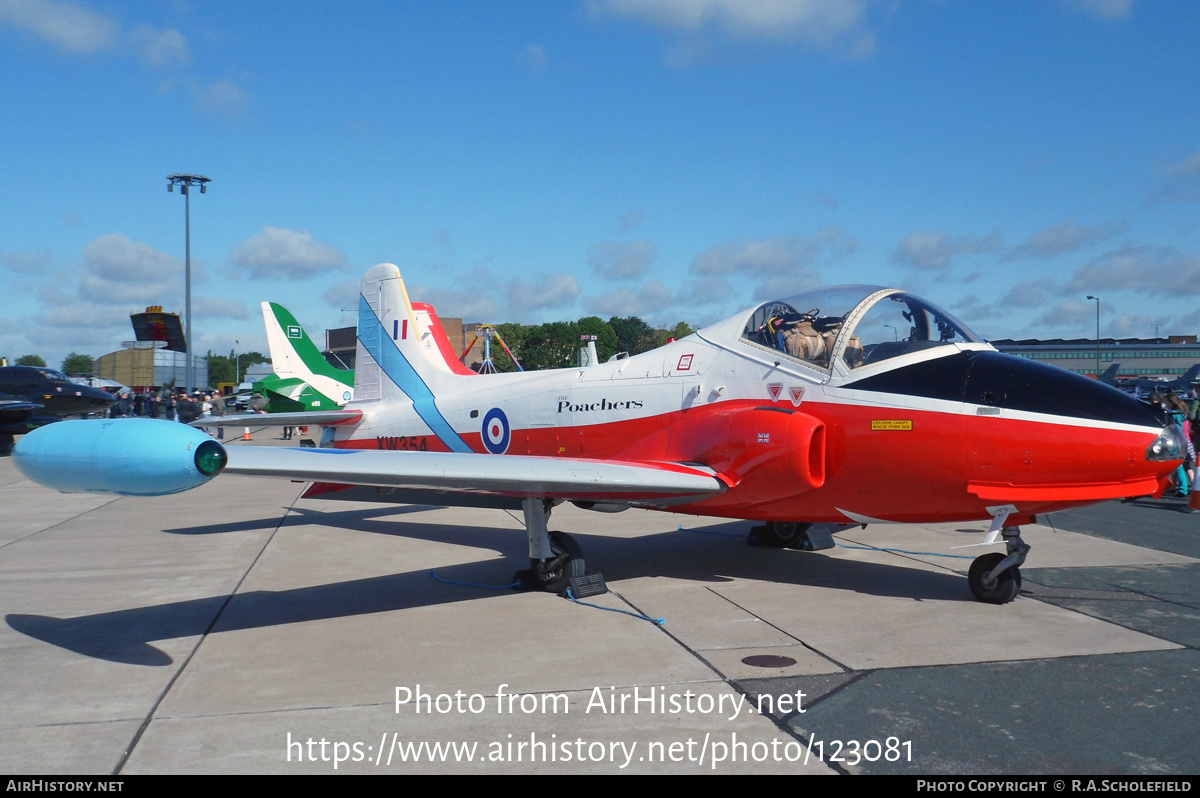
column 1194, row 499
column 246, row 434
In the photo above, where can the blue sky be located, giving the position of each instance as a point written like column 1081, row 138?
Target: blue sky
column 534, row 161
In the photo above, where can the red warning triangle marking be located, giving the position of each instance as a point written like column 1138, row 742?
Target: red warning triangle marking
column 797, row 393
column 774, row 389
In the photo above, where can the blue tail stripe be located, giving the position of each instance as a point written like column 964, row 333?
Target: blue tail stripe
column 395, row 365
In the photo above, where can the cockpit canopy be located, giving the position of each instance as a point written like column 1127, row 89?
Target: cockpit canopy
column 857, row 325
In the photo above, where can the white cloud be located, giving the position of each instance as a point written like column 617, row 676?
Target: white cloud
column 621, row 260
column 1029, row 293
column 932, row 249
column 774, row 256
column 545, row 292
column 84, row 31
column 1153, row 270
column 786, row 285
column 815, row 22
column 650, row 299
column 705, row 291
column 631, row 220
column 27, row 262
column 160, row 48
column 64, row 25
column 1060, row 238
column 1130, row 325
column 1069, row 313
column 285, row 254
column 221, row 97
column 532, row 59
column 1108, row 9
column 218, row 308
column 117, row 270
column 1188, row 166
column 343, row 295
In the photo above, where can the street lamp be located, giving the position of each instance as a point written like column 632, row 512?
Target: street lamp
column 185, row 182
column 1097, row 333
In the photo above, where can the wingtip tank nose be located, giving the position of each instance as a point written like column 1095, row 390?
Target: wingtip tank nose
column 131, row 457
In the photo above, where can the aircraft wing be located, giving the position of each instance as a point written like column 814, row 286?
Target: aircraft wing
column 507, row 475
column 315, row 418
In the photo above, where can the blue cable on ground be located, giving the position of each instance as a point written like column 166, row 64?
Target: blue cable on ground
column 473, row 584
column 659, row 622
column 903, row 551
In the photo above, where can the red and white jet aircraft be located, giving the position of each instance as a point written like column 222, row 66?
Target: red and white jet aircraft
column 846, row 405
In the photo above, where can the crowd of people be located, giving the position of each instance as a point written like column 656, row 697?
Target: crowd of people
column 183, row 407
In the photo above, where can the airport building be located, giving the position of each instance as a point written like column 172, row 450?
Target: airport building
column 156, row 358
column 1153, row 358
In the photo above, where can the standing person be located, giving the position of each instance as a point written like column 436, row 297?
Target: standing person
column 1177, row 411
column 218, row 409
column 186, row 410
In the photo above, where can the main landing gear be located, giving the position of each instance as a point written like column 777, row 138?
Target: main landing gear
column 555, row 559
column 793, row 535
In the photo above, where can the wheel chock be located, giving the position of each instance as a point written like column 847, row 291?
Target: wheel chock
column 587, row 585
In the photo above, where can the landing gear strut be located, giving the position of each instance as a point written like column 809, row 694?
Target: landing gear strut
column 996, row 578
column 555, row 558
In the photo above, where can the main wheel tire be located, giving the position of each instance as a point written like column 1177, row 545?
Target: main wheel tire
column 567, row 562
column 1006, row 586
column 787, row 533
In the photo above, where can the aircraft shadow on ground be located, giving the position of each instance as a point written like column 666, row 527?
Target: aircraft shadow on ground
column 349, row 519
column 716, row 554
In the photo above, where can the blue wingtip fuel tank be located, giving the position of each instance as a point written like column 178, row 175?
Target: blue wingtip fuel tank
column 128, row 456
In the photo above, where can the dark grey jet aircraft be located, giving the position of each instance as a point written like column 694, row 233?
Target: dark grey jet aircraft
column 31, row 396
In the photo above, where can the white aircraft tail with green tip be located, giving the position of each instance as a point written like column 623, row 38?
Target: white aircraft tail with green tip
column 302, row 374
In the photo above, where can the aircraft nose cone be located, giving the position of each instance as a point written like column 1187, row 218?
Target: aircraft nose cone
column 1019, row 384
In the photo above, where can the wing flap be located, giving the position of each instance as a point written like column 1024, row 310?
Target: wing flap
column 453, row 472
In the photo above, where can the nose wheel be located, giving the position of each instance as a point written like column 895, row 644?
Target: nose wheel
column 999, row 589
column 996, row 578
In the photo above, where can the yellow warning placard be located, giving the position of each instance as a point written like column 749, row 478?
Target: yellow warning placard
column 891, row 423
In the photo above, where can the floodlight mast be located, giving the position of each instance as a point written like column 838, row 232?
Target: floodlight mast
column 184, row 182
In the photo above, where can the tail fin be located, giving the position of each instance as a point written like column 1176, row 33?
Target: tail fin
column 398, row 356
column 295, row 356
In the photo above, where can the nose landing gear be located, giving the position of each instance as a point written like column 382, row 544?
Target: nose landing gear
column 996, row 578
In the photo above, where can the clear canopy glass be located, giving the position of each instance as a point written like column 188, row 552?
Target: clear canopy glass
column 860, row 324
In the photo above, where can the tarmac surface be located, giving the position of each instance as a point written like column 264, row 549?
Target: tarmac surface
column 239, row 629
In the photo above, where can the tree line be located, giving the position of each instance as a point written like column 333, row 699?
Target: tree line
column 556, row 344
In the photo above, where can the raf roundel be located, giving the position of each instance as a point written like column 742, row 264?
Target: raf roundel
column 495, row 431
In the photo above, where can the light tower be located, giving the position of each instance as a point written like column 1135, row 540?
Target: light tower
column 185, row 182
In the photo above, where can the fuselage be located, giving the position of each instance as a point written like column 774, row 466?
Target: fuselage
column 937, row 427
